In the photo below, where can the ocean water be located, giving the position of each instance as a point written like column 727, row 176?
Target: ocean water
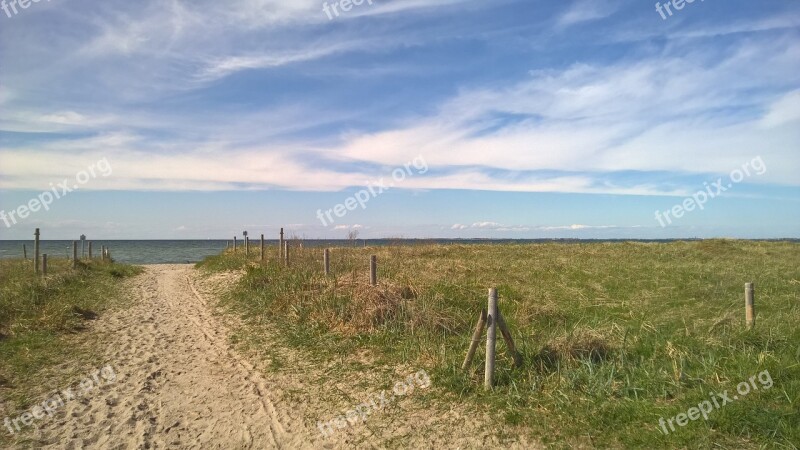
column 192, row 251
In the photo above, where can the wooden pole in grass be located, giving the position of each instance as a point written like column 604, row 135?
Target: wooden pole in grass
column 44, row 265
column 326, row 260
column 247, row 246
column 24, row 251
column 286, row 253
column 509, row 340
column 74, row 254
column 36, row 251
column 262, row 247
column 750, row 304
column 476, row 339
column 281, row 244
column 234, row 244
column 373, row 270
column 491, row 339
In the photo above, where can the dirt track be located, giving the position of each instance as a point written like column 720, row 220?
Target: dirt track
column 179, row 384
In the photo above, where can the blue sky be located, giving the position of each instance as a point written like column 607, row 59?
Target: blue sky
column 575, row 119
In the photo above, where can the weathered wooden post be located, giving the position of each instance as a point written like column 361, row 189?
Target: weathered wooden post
column 83, row 246
column 286, row 253
column 750, row 304
column 246, row 244
column 90, row 250
column 24, row 251
column 102, row 253
column 506, row 332
column 36, row 251
column 281, row 245
column 74, row 254
column 326, row 259
column 44, row 265
column 234, row 244
column 373, row 270
column 491, row 339
column 476, row 340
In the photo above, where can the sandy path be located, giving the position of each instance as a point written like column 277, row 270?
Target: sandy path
column 178, row 384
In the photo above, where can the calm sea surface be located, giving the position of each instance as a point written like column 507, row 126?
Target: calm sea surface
column 191, row 251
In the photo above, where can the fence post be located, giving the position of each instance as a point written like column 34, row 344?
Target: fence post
column 281, row 245
column 491, row 339
column 247, row 246
column 750, row 304
column 74, row 254
column 234, row 244
column 373, row 270
column 286, row 253
column 326, row 258
column 476, row 340
column 36, row 251
column 24, row 251
column 44, row 265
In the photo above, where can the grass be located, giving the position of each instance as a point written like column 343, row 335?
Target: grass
column 614, row 335
column 41, row 320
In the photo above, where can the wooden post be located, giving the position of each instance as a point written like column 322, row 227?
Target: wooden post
column 286, row 253
column 44, row 265
column 509, row 340
column 24, row 251
column 373, row 270
column 36, row 251
column 90, row 249
column 262, row 247
column 281, row 245
column 247, row 246
column 102, row 253
column 750, row 304
column 234, row 244
column 491, row 339
column 74, row 254
column 476, row 339
column 326, row 259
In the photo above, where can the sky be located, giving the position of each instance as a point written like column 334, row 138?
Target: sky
column 179, row 119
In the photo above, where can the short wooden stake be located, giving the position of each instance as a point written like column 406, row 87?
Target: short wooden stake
column 36, row 251
column 234, row 244
column 286, row 253
column 247, row 246
column 102, row 253
column 44, row 265
column 74, row 254
column 509, row 340
column 24, row 251
column 373, row 270
column 491, row 339
column 326, row 260
column 262, row 247
column 476, row 340
column 750, row 304
column 281, row 245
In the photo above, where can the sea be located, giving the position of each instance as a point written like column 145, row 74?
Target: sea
column 192, row 251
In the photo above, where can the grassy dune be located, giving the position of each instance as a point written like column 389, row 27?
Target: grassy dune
column 614, row 335
column 40, row 320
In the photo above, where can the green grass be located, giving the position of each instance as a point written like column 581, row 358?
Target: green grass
column 41, row 320
column 614, row 335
